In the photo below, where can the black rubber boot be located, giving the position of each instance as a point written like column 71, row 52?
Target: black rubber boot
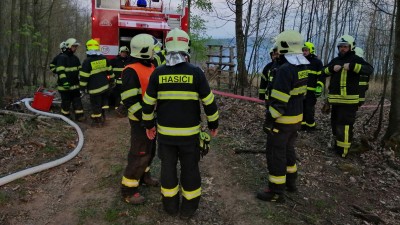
column 269, row 196
column 171, row 204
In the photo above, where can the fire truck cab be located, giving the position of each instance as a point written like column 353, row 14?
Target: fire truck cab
column 115, row 22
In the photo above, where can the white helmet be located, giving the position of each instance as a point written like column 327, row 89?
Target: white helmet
column 123, row 49
column 71, row 42
column 347, row 40
column 290, row 41
column 142, row 46
column 359, row 52
column 177, row 40
column 62, row 45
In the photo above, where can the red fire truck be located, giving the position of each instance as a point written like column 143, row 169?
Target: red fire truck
column 115, row 22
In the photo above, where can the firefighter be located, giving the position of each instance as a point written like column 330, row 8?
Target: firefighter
column 159, row 56
column 315, row 85
column 364, row 79
column 54, row 61
column 96, row 78
column 176, row 89
column 118, row 63
column 345, row 71
column 135, row 78
column 67, row 69
column 268, row 75
column 284, row 116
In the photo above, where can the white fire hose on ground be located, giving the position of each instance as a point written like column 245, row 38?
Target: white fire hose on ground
column 48, row 165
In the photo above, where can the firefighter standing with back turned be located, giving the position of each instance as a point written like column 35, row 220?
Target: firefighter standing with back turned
column 118, row 63
column 135, row 78
column 96, row 78
column 284, row 116
column 53, row 62
column 67, row 69
column 268, row 75
column 176, row 88
column 315, row 85
column 345, row 71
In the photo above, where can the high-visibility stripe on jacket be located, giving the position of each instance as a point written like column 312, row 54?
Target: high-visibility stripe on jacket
column 67, row 69
column 177, row 91
column 96, row 74
column 344, row 85
column 267, row 80
column 314, row 73
column 159, row 58
column 286, row 99
column 135, row 78
column 118, row 64
column 53, row 63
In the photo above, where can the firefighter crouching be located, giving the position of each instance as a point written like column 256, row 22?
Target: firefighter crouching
column 67, row 69
column 284, row 116
column 345, row 71
column 176, row 88
column 315, row 85
column 118, row 63
column 135, row 78
column 364, row 78
column 96, row 77
column 268, row 75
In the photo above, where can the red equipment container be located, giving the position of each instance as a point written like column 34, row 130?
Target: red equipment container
column 43, row 99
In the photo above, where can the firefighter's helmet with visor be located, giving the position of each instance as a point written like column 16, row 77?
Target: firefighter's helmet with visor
column 290, row 42
column 310, row 47
column 359, row 52
column 123, row 49
column 142, row 46
column 71, row 42
column 177, row 40
column 347, row 40
column 63, row 45
column 92, row 45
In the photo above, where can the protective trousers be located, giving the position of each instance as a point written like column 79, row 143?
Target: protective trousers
column 98, row 102
column 71, row 97
column 189, row 156
column 309, row 110
column 115, row 96
column 140, row 156
column 343, row 118
column 281, row 157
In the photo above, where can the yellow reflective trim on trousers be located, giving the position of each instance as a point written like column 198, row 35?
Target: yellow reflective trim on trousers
column 280, row 95
column 357, row 68
column 173, row 131
column 130, row 93
column 118, row 69
column 177, row 95
column 289, row 119
column 346, row 140
column 213, row 117
column 148, row 116
column 149, row 100
column 347, row 99
column 99, row 70
column 362, row 83
column 299, row 90
column 134, row 108
column 291, row 169
column 343, row 144
column 105, row 107
column 261, row 91
column 169, row 192
column 71, row 69
column 209, row 99
column 83, row 74
column 274, row 113
column 64, row 112
column 78, row 111
column 59, row 68
column 343, row 82
column 98, row 90
column 191, row 194
column 73, row 87
column 277, row 179
column 129, row 182
column 95, row 115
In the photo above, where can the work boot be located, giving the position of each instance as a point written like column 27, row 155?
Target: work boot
column 96, row 122
column 80, row 117
column 269, row 196
column 149, row 181
column 134, row 199
column 171, row 205
column 187, row 214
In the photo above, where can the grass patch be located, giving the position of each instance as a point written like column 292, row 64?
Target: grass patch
column 50, row 149
column 4, row 198
column 8, row 120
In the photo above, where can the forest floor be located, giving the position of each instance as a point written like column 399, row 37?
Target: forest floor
column 360, row 189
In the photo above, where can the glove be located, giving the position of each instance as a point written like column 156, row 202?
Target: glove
column 66, row 85
column 204, row 143
column 318, row 91
column 326, row 108
column 268, row 123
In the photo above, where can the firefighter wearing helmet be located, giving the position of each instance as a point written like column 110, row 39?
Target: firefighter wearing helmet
column 135, row 78
column 67, row 69
column 344, row 91
column 267, row 75
column 96, row 78
column 54, row 61
column 159, row 55
column 118, row 63
column 364, row 78
column 284, row 116
column 176, row 89
column 315, row 85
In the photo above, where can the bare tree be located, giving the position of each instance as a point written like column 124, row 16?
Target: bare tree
column 13, row 47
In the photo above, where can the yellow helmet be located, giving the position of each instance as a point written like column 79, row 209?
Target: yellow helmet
column 123, row 49
column 359, row 52
column 177, row 40
column 290, row 41
column 142, row 46
column 310, row 47
column 347, row 40
column 92, row 45
column 71, row 42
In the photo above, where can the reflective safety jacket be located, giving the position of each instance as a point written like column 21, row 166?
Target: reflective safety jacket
column 363, row 85
column 159, row 58
column 67, row 69
column 314, row 73
column 267, row 78
column 135, row 78
column 96, row 74
column 118, row 64
column 177, row 91
column 53, row 63
column 344, row 85
column 287, row 95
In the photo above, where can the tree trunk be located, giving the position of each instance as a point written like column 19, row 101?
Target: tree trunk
column 2, row 50
column 23, row 78
column 240, row 46
column 44, row 75
column 13, row 47
column 328, row 32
